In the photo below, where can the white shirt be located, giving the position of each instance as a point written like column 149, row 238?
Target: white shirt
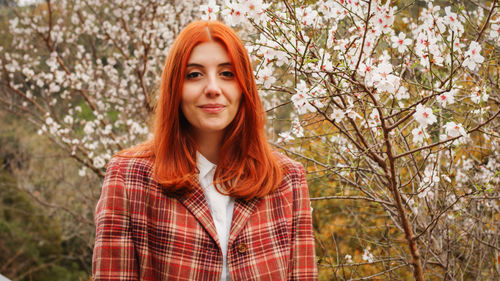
column 221, row 207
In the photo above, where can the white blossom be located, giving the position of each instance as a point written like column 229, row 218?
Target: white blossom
column 285, row 136
column 301, row 99
column 351, row 113
column 68, row 119
column 402, row 93
column 89, row 128
column 82, row 172
column 233, row 14
column 478, row 95
column 338, row 115
column 495, row 30
column 428, row 182
column 424, row 116
column 419, row 135
column 473, row 56
column 209, row 10
column 454, row 130
column 99, row 162
column 253, row 8
column 446, row 98
column 266, row 77
column 400, row 42
column 367, row 256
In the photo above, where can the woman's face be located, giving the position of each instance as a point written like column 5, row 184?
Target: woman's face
column 210, row 94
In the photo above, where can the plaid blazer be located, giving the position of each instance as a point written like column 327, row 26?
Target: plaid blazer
column 144, row 234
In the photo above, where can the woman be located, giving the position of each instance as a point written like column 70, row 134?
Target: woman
column 206, row 198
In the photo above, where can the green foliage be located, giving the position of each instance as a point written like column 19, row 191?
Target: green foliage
column 32, row 246
column 30, row 241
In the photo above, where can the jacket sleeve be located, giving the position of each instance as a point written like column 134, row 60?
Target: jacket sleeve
column 114, row 254
column 303, row 256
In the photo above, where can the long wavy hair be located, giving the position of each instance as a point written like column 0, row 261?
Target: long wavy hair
column 247, row 167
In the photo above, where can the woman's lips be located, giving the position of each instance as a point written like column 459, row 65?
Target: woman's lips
column 212, row 108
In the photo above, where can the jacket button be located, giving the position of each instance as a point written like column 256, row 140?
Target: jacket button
column 242, row 248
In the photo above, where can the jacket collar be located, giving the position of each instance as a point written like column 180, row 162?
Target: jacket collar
column 243, row 209
column 196, row 203
column 203, row 165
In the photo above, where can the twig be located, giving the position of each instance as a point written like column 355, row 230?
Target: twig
column 378, row 274
column 351, row 198
column 447, row 140
column 364, row 38
column 485, row 25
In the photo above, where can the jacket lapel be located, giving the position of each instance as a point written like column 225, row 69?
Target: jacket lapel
column 195, row 202
column 241, row 214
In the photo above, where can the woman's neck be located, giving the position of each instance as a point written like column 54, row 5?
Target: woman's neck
column 209, row 145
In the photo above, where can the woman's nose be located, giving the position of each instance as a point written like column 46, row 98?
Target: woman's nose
column 212, row 88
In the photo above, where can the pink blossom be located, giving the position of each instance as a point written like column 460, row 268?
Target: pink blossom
column 430, row 177
column 383, row 18
column 326, row 62
column 99, row 162
column 82, row 172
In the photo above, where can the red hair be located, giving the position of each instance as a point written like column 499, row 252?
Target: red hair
column 246, row 166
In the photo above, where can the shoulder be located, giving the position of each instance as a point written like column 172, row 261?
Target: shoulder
column 293, row 173
column 129, row 165
column 288, row 165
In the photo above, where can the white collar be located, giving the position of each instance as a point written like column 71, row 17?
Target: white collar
column 204, row 166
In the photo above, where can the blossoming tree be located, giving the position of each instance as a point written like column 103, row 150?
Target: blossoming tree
column 395, row 105
column 390, row 105
column 86, row 72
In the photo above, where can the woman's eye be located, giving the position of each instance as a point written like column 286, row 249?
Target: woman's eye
column 228, row 74
column 193, row 75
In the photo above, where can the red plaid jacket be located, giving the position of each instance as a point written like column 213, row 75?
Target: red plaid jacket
column 144, row 234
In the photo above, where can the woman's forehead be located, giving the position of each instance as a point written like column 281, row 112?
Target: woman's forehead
column 209, row 53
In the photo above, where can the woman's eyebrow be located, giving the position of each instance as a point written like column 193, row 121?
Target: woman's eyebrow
column 202, row 66
column 194, row 65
